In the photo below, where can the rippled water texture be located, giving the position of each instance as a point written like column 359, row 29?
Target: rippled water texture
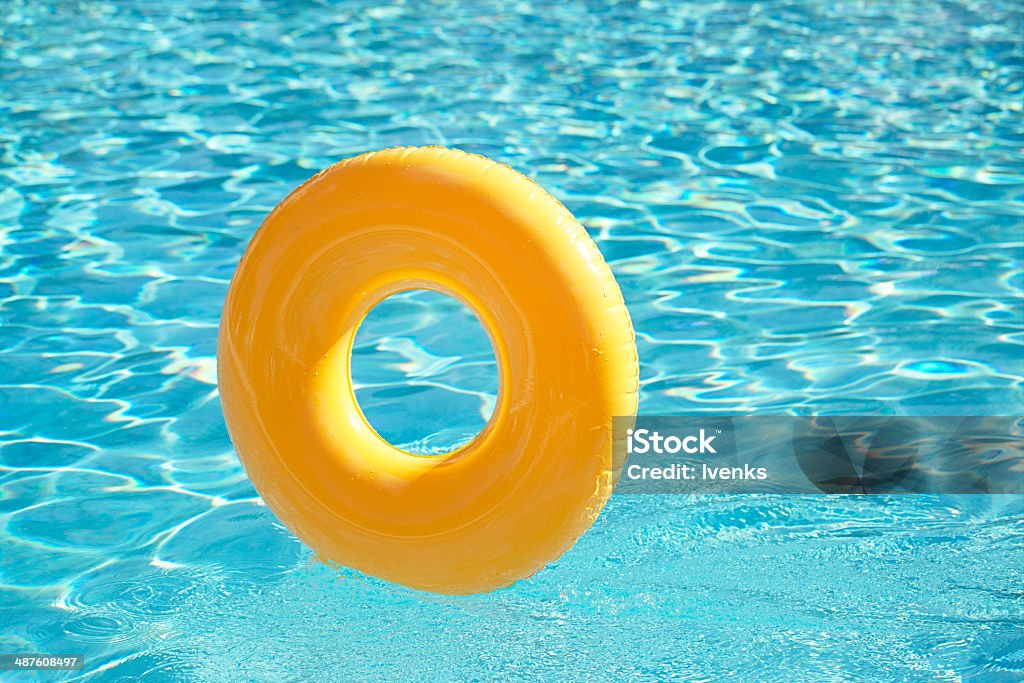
column 810, row 206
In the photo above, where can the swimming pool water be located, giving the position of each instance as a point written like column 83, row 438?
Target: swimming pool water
column 809, row 206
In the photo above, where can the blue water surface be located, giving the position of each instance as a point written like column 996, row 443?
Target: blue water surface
column 809, row 206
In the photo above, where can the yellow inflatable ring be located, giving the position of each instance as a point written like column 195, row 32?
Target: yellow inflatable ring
column 536, row 477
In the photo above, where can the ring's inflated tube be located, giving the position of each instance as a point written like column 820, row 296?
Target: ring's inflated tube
column 536, row 477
